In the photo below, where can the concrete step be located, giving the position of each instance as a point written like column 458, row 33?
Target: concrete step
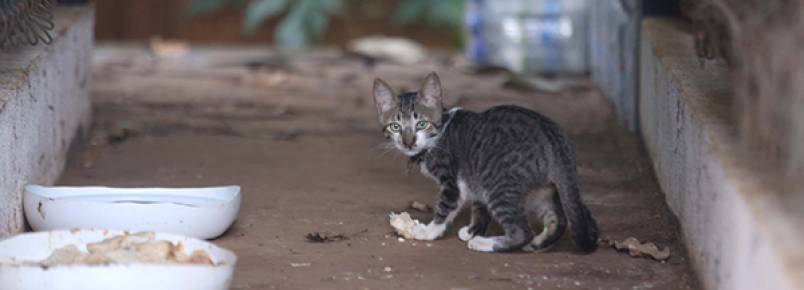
column 740, row 234
column 44, row 105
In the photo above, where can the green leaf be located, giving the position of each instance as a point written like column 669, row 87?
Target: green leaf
column 409, row 11
column 200, row 7
column 291, row 34
column 239, row 4
column 314, row 24
column 329, row 6
column 259, row 10
column 442, row 14
column 306, row 23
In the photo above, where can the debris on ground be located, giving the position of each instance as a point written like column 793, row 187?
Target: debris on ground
column 394, row 49
column 534, row 84
column 319, row 237
column 481, row 70
column 121, row 132
column 543, row 84
column 299, row 265
column 169, row 48
column 420, row 206
column 92, row 152
column 403, row 224
column 635, row 248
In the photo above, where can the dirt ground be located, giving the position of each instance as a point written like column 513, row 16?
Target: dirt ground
column 299, row 134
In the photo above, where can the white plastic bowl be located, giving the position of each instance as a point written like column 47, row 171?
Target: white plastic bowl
column 38, row 246
column 202, row 213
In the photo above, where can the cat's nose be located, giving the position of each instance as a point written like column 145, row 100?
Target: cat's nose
column 408, row 144
column 409, row 140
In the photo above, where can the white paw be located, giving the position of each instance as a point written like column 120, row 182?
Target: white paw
column 428, row 232
column 482, row 244
column 464, row 234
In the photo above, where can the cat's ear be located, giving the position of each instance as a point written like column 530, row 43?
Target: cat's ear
column 383, row 97
column 431, row 93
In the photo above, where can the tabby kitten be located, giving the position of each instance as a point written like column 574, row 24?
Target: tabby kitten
column 508, row 162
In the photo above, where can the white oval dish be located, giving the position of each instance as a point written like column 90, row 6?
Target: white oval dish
column 202, row 213
column 38, row 246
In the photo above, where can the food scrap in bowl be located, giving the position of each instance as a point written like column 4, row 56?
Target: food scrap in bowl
column 125, row 249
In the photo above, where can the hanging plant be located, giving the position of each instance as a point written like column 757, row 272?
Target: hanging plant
column 304, row 22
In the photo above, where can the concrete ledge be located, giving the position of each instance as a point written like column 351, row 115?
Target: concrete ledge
column 44, row 101
column 737, row 232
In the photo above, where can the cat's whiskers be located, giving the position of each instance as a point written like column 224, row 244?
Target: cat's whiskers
column 382, row 149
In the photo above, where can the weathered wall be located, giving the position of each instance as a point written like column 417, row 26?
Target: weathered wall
column 738, row 235
column 762, row 41
column 44, row 101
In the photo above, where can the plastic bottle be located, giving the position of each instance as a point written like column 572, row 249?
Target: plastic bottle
column 529, row 36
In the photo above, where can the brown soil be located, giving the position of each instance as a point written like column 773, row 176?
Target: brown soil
column 302, row 140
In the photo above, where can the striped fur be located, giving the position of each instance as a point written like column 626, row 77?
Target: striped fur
column 510, row 163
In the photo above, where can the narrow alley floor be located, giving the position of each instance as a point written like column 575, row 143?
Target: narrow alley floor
column 299, row 134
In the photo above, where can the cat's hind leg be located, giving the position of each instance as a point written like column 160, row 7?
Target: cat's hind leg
column 479, row 224
column 506, row 208
column 545, row 206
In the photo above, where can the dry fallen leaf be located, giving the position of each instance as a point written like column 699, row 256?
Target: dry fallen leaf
column 317, row 237
column 636, row 248
column 420, row 206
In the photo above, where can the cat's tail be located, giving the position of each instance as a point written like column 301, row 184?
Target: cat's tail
column 583, row 227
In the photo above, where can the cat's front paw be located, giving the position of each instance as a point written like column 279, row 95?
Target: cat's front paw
column 428, row 232
column 482, row 244
column 465, row 233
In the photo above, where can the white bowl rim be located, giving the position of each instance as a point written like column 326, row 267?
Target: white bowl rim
column 222, row 194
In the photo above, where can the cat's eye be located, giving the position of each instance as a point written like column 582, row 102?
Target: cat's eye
column 394, row 127
column 421, row 125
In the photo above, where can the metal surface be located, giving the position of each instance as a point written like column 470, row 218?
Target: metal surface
column 26, row 22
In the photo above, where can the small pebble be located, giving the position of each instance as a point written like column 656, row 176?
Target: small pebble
column 388, row 269
column 297, row 265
